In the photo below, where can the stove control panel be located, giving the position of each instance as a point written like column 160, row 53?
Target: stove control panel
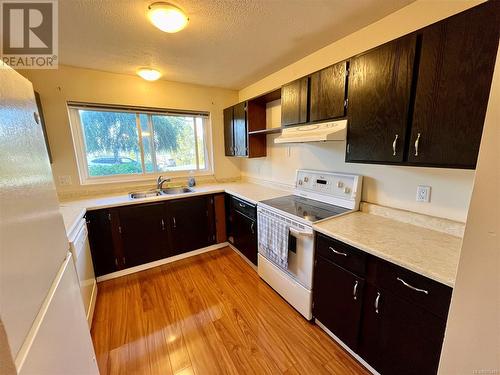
column 328, row 186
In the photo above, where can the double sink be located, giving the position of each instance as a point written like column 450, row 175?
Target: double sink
column 159, row 192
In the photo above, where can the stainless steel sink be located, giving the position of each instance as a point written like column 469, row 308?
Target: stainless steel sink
column 157, row 193
column 176, row 190
column 144, row 194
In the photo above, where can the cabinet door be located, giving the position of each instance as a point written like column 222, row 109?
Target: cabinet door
column 399, row 337
column 189, row 224
column 228, row 132
column 240, row 129
column 144, row 233
column 379, row 101
column 245, row 235
column 454, row 79
column 337, row 296
column 328, row 89
column 101, row 242
column 295, row 102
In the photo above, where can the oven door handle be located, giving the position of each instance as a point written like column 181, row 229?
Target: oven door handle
column 298, row 233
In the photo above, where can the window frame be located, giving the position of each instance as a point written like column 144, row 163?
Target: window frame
column 81, row 151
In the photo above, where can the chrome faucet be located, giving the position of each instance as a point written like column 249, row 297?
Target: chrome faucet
column 160, row 181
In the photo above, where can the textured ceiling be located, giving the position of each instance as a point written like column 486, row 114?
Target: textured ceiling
column 228, row 43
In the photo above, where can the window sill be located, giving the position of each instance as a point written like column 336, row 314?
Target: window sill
column 143, row 178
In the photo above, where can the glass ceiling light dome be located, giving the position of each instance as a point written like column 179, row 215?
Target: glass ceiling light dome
column 167, row 17
column 149, row 74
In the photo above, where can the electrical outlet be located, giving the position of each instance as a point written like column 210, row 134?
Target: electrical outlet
column 65, row 180
column 423, row 193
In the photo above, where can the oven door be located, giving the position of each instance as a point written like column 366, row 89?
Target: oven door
column 301, row 254
column 300, row 248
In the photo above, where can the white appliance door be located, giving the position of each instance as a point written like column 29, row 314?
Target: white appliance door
column 33, row 242
column 82, row 258
column 61, row 342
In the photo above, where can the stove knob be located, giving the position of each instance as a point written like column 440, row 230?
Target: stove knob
column 300, row 182
column 340, row 184
column 347, row 190
column 306, row 179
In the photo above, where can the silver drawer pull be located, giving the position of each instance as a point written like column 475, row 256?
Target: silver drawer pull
column 355, row 290
column 377, row 300
column 417, row 142
column 394, row 145
column 412, row 287
column 337, row 252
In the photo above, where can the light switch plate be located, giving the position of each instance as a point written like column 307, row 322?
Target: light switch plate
column 423, row 193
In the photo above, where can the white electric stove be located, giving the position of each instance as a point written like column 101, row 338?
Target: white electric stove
column 285, row 234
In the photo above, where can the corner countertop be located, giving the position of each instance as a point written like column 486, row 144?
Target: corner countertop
column 425, row 251
column 73, row 211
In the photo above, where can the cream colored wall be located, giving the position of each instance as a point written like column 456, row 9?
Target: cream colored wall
column 387, row 185
column 472, row 339
column 56, row 87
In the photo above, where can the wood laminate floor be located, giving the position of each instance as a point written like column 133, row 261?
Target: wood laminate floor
column 208, row 314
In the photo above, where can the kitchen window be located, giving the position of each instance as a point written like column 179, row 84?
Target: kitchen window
column 114, row 144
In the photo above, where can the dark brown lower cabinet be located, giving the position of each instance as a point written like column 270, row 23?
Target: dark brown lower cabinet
column 398, row 319
column 338, row 298
column 144, row 233
column 189, row 223
column 245, row 235
column 242, row 227
column 399, row 337
column 101, row 241
column 129, row 236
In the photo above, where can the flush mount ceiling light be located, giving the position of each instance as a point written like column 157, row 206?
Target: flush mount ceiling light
column 149, row 74
column 167, row 17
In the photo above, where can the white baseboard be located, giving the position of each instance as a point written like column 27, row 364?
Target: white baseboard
column 349, row 350
column 160, row 262
column 93, row 299
column 244, row 257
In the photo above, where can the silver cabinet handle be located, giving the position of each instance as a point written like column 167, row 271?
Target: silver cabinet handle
column 337, row 252
column 394, row 143
column 412, row 287
column 252, row 227
column 355, row 290
column 173, row 220
column 162, row 224
column 377, row 300
column 416, row 144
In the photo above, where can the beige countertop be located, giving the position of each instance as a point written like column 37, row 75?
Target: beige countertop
column 73, row 211
column 425, row 251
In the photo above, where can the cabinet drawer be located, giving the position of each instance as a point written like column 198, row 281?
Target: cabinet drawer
column 429, row 294
column 341, row 254
column 246, row 208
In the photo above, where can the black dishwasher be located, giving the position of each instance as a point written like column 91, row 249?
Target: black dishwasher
column 243, row 227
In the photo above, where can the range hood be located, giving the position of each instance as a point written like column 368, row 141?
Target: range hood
column 325, row 131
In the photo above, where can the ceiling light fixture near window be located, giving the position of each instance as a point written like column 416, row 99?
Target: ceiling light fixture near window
column 149, row 74
column 167, row 17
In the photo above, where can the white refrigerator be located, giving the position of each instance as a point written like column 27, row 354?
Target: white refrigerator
column 41, row 308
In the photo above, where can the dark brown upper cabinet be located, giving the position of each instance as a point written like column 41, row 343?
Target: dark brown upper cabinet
column 240, row 129
column 328, row 93
column 228, row 132
column 379, row 92
column 454, row 77
column 239, row 121
column 295, row 102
